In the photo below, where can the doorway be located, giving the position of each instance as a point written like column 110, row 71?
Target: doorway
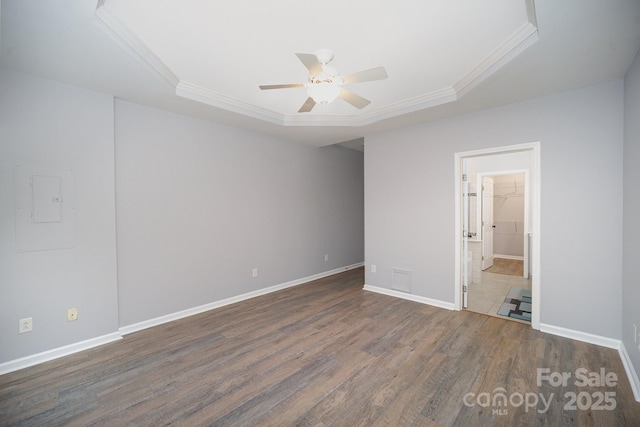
column 499, row 283
column 503, row 217
column 517, row 236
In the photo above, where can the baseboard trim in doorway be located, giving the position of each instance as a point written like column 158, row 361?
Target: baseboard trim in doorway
column 125, row 330
column 410, row 297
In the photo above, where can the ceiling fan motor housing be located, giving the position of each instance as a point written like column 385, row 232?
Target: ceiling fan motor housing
column 324, row 56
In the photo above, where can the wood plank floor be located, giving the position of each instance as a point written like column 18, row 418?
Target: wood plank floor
column 322, row 354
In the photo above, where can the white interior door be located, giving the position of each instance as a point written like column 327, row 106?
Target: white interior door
column 487, row 222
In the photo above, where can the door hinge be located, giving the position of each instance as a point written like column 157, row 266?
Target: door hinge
column 464, row 177
column 464, row 288
column 483, row 257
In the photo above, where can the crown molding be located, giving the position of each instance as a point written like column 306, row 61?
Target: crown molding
column 524, row 37
column 132, row 44
column 531, row 12
column 207, row 96
column 428, row 100
column 410, row 105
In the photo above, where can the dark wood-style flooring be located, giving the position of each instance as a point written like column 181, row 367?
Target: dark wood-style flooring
column 325, row 353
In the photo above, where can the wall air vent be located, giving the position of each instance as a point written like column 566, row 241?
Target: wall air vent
column 401, row 280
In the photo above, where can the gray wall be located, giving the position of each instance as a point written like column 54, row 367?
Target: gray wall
column 631, row 260
column 409, row 201
column 199, row 205
column 50, row 128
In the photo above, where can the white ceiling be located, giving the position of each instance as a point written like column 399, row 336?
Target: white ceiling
column 219, row 52
column 207, row 58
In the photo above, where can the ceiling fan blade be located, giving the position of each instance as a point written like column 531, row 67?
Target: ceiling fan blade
column 307, row 106
column 378, row 73
column 265, row 87
column 353, row 99
column 311, row 62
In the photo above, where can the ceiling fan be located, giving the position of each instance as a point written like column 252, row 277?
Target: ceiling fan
column 325, row 83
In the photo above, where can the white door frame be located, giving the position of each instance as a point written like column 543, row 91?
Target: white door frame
column 460, row 259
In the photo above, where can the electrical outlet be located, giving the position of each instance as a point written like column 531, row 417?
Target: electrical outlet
column 326, row 257
column 254, row 272
column 373, row 268
column 72, row 314
column 25, row 325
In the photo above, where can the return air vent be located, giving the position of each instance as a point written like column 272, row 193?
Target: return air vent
column 401, row 280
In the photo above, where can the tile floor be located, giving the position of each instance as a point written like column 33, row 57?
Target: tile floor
column 487, row 294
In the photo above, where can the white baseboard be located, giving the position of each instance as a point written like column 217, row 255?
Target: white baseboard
column 634, row 382
column 580, row 336
column 25, row 362
column 517, row 257
column 216, row 304
column 631, row 372
column 410, row 297
column 46, row 356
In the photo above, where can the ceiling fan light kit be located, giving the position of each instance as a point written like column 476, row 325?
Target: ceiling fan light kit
column 324, row 84
column 324, row 92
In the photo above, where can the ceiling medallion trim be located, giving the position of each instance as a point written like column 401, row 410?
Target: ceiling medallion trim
column 523, row 38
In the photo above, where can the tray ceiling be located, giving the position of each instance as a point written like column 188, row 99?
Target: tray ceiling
column 218, row 53
column 443, row 58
